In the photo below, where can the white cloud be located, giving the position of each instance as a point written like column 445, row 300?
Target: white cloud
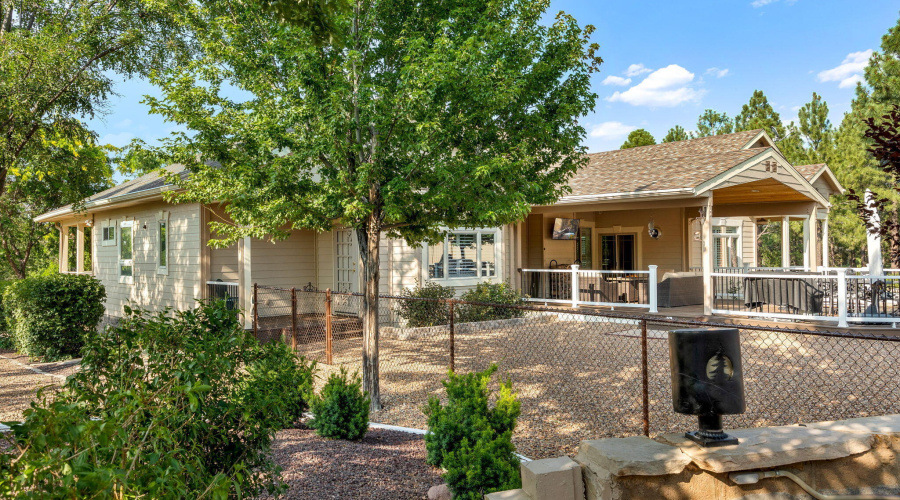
column 119, row 140
column 718, row 73
column 637, row 70
column 850, row 70
column 761, row 3
column 668, row 86
column 616, row 80
column 611, row 130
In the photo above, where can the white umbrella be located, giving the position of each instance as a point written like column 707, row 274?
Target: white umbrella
column 873, row 240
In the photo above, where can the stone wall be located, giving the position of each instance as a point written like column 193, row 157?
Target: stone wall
column 850, row 457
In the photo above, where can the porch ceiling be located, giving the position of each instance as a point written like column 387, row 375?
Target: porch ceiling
column 761, row 191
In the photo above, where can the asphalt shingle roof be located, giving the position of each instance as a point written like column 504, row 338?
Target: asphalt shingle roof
column 809, row 171
column 673, row 165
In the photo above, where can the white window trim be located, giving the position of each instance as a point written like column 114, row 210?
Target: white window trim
column 125, row 279
column 115, row 239
column 163, row 218
column 467, row 281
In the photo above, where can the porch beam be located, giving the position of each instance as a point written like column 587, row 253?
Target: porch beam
column 706, row 257
column 825, row 248
column 245, row 280
column 798, row 209
column 785, row 241
column 811, row 239
column 63, row 249
column 79, row 248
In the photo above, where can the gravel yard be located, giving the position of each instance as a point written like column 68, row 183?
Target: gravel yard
column 385, row 465
column 582, row 379
column 18, row 385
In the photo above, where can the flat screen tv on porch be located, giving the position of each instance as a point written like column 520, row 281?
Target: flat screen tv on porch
column 565, row 229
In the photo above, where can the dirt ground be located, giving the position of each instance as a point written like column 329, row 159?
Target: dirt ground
column 19, row 385
column 583, row 379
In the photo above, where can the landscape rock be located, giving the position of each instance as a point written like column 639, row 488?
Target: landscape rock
column 632, row 456
column 439, row 492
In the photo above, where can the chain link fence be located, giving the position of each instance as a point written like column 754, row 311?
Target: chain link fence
column 579, row 374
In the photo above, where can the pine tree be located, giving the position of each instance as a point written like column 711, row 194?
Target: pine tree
column 676, row 133
column 712, row 122
column 637, row 138
column 758, row 113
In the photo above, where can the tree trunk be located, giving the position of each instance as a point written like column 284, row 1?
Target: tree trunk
column 369, row 239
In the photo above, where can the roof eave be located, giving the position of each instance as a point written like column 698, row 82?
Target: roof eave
column 104, row 204
column 632, row 195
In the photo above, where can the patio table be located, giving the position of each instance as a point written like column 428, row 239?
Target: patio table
column 796, row 294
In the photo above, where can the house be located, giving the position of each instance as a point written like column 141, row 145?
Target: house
column 681, row 207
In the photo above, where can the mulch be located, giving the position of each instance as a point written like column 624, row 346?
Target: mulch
column 385, row 465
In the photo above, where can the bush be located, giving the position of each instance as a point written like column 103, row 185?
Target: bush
column 341, row 410
column 471, row 440
column 175, row 398
column 491, row 293
column 426, row 312
column 6, row 341
column 279, row 386
column 49, row 316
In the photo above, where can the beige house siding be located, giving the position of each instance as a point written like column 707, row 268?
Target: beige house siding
column 748, row 242
column 285, row 263
column 823, row 187
column 180, row 287
column 758, row 172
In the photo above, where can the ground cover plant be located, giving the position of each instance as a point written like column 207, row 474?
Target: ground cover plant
column 341, row 409
column 471, row 438
column 171, row 405
column 50, row 316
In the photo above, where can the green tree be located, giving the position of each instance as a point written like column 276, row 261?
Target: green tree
column 676, row 133
column 431, row 115
column 57, row 65
column 714, row 123
column 637, row 138
column 758, row 113
column 852, row 162
column 816, row 130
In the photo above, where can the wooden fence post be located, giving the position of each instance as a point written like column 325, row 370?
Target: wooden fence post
column 452, row 338
column 255, row 311
column 294, row 319
column 328, row 359
column 645, row 380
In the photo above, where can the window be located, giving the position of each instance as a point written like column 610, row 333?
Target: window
column 126, row 252
column 72, row 249
column 617, row 252
column 162, row 264
column 726, row 246
column 464, row 255
column 108, row 236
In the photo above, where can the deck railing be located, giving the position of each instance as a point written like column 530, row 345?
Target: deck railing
column 584, row 287
column 829, row 295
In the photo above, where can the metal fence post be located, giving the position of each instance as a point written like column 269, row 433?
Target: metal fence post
column 256, row 311
column 645, row 380
column 842, row 297
column 293, row 318
column 328, row 360
column 452, row 339
column 651, row 287
column 576, row 291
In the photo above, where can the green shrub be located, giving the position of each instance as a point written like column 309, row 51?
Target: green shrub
column 49, row 316
column 341, row 409
column 279, row 386
column 426, row 312
column 175, row 398
column 471, row 439
column 491, row 293
column 6, row 341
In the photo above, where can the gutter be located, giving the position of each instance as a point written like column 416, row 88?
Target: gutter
column 624, row 195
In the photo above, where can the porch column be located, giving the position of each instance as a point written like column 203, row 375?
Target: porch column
column 79, row 248
column 245, row 280
column 825, row 252
column 706, row 257
column 785, row 241
column 811, row 243
column 63, row 249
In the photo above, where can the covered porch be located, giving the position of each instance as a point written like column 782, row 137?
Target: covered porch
column 682, row 254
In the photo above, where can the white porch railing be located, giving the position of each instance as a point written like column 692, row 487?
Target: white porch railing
column 833, row 295
column 583, row 287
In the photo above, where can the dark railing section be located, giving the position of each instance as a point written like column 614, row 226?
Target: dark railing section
column 227, row 291
column 597, row 287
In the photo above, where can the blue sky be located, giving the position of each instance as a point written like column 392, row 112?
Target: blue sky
column 667, row 61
